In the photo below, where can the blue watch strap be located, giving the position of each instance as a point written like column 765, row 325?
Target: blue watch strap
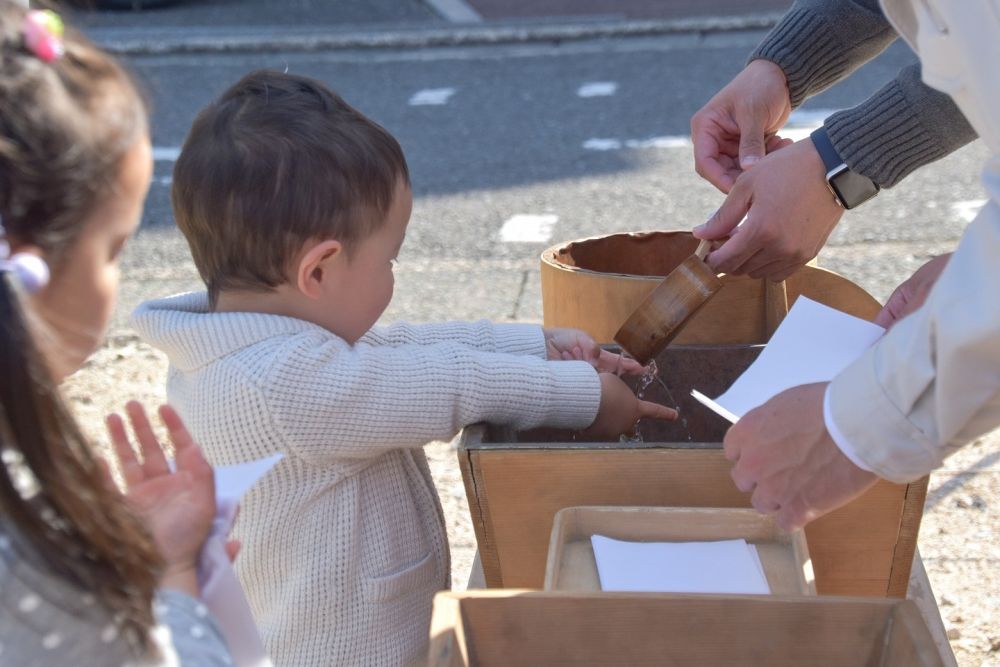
column 831, row 158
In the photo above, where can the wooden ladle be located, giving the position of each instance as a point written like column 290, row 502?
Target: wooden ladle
column 662, row 315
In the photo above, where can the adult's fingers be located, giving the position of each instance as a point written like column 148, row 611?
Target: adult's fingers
column 795, row 515
column 708, row 136
column 656, row 411
column 889, row 314
column 763, row 501
column 154, row 463
column 131, row 468
column 734, row 254
column 776, row 143
column 730, row 214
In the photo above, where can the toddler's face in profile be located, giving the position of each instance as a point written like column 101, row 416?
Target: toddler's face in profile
column 365, row 284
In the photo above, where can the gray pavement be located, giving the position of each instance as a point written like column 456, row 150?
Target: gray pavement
column 513, row 135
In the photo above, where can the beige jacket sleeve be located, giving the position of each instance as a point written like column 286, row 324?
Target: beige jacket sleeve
column 932, row 384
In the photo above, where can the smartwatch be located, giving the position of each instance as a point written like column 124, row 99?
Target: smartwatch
column 849, row 188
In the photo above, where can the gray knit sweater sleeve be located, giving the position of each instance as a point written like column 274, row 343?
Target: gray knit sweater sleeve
column 903, row 126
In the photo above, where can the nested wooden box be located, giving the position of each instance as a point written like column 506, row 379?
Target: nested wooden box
column 551, row 629
column 516, row 482
column 572, row 566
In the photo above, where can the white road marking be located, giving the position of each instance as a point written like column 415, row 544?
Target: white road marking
column 606, row 144
column 967, row 210
column 675, row 141
column 597, row 89
column 602, row 144
column 166, row 153
column 528, row 228
column 456, row 11
column 431, row 97
column 800, row 124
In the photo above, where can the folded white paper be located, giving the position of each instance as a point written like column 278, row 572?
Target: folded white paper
column 727, row 566
column 813, row 344
column 220, row 589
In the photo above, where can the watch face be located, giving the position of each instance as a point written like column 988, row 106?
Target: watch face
column 852, row 189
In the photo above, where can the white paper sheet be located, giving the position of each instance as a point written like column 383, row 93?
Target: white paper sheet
column 813, row 344
column 220, row 589
column 726, row 566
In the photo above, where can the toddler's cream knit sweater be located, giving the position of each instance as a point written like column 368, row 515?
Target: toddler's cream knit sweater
column 344, row 542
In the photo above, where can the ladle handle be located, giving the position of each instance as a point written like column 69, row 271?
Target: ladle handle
column 703, row 249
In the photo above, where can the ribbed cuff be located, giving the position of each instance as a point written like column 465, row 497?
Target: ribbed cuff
column 880, row 435
column 882, row 138
column 576, row 395
column 806, row 51
column 522, row 339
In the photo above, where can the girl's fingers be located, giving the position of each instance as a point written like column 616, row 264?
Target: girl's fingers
column 187, row 454
column 233, row 549
column 154, row 463
column 131, row 468
column 105, row 470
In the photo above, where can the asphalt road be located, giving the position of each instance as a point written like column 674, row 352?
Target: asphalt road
column 493, row 132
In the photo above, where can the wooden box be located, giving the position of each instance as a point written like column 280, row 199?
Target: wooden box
column 516, row 482
column 572, row 567
column 551, row 629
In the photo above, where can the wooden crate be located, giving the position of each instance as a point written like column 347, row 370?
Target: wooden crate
column 551, row 629
column 516, row 482
column 572, row 566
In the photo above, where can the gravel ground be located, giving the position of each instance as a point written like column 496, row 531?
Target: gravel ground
column 959, row 539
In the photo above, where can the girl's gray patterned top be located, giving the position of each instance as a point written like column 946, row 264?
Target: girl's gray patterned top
column 45, row 622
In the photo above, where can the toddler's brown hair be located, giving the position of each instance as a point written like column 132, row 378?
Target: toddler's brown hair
column 277, row 161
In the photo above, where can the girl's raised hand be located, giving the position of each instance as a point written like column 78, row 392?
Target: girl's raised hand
column 569, row 344
column 177, row 506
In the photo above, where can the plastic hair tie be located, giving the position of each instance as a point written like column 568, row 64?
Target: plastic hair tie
column 43, row 34
column 30, row 270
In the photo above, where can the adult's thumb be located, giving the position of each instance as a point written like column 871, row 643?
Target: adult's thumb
column 730, row 214
column 752, row 143
column 751, row 147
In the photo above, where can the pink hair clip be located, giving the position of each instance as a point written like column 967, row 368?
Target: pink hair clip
column 43, row 33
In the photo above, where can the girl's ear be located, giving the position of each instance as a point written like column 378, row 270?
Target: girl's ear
column 315, row 266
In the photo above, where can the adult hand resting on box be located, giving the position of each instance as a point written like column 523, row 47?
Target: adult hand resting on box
column 911, row 294
column 786, row 457
column 780, row 187
column 620, row 409
column 569, row 344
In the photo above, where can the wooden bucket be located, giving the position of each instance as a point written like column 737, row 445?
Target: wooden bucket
column 594, row 284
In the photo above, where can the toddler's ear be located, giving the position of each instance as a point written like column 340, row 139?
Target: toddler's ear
column 315, row 266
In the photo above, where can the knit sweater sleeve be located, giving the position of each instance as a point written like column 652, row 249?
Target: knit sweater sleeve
column 514, row 338
column 903, row 126
column 330, row 400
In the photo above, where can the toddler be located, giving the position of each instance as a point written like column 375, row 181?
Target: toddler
column 295, row 206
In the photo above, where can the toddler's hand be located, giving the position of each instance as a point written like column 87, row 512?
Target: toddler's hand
column 570, row 344
column 620, row 409
column 177, row 507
